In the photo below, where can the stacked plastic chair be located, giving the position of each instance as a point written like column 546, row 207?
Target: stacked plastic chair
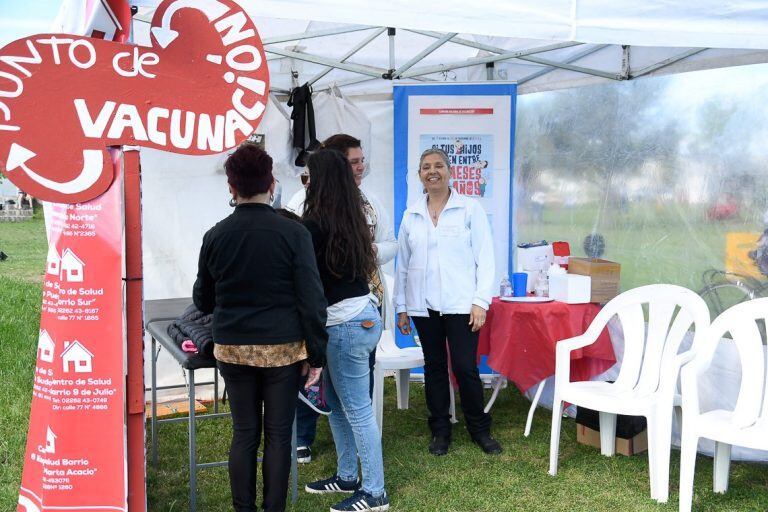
column 747, row 424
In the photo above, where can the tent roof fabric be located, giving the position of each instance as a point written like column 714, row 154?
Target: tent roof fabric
column 542, row 46
column 701, row 24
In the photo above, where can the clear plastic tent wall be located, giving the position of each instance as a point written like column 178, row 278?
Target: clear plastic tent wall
column 672, row 172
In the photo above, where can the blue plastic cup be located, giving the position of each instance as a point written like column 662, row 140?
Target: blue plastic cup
column 519, row 284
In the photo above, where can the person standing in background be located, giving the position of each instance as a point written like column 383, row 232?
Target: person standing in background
column 335, row 217
column 258, row 275
column 20, row 196
column 385, row 248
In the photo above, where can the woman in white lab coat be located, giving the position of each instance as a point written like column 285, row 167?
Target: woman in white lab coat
column 444, row 283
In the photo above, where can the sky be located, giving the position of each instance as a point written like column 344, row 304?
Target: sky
column 19, row 18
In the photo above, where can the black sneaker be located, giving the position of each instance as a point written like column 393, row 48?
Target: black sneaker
column 303, row 454
column 333, row 484
column 311, row 397
column 488, row 444
column 361, row 500
column 439, row 445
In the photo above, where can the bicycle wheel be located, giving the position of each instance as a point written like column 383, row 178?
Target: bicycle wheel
column 722, row 296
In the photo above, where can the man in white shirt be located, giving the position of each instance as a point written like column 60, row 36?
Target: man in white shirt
column 385, row 246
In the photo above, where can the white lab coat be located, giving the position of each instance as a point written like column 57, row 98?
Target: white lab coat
column 465, row 249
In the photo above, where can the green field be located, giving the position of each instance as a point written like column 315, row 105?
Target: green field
column 653, row 243
column 20, row 297
column 466, row 480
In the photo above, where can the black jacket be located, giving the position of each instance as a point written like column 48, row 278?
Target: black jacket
column 193, row 325
column 257, row 274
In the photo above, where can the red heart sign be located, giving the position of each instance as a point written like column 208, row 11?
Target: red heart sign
column 200, row 89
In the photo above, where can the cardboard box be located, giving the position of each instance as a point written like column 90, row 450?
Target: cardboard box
column 605, row 276
column 632, row 446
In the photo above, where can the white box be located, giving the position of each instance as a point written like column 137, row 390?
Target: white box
column 535, row 258
column 570, row 288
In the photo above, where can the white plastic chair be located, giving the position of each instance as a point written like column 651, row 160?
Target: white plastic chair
column 647, row 382
column 391, row 357
column 747, row 424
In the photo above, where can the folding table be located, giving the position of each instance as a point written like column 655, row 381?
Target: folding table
column 158, row 315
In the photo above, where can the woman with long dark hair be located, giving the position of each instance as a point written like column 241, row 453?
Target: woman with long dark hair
column 335, row 217
column 258, row 276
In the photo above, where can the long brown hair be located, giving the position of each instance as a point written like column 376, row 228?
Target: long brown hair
column 334, row 203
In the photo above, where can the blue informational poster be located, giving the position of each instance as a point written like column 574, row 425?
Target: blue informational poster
column 475, row 125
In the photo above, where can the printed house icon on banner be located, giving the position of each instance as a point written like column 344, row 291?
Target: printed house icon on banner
column 77, row 357
column 71, row 266
column 50, row 441
column 45, row 347
column 53, row 261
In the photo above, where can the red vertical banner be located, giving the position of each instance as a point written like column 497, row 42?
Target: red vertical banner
column 76, row 454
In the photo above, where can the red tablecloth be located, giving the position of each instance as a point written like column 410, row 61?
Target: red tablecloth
column 519, row 339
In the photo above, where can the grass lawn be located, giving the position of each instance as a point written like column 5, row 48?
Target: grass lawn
column 466, row 480
column 653, row 243
column 20, row 296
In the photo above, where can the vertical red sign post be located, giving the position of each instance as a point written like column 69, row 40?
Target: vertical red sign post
column 200, row 88
column 75, row 445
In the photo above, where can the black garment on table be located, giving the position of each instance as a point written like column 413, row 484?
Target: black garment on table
column 335, row 288
column 268, row 396
column 303, row 113
column 433, row 332
column 193, row 325
column 257, row 274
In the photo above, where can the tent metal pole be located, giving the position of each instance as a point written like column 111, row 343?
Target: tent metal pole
column 316, row 59
column 391, row 32
column 362, row 44
column 667, row 62
column 520, row 54
column 316, row 33
column 496, row 49
column 571, row 67
column 419, row 56
column 571, row 59
column 353, row 81
column 342, row 83
column 625, row 64
column 524, row 55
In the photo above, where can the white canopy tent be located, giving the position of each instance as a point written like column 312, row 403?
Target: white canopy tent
column 364, row 47
column 545, row 46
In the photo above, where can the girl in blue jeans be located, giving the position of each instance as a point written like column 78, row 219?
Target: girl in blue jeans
column 342, row 241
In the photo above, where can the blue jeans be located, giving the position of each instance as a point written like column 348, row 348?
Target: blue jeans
column 353, row 424
column 306, row 418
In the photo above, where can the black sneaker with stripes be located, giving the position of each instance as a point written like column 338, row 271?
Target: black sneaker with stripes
column 333, row 484
column 361, row 501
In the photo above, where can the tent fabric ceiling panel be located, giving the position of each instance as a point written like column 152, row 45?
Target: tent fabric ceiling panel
column 704, row 23
column 314, row 50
